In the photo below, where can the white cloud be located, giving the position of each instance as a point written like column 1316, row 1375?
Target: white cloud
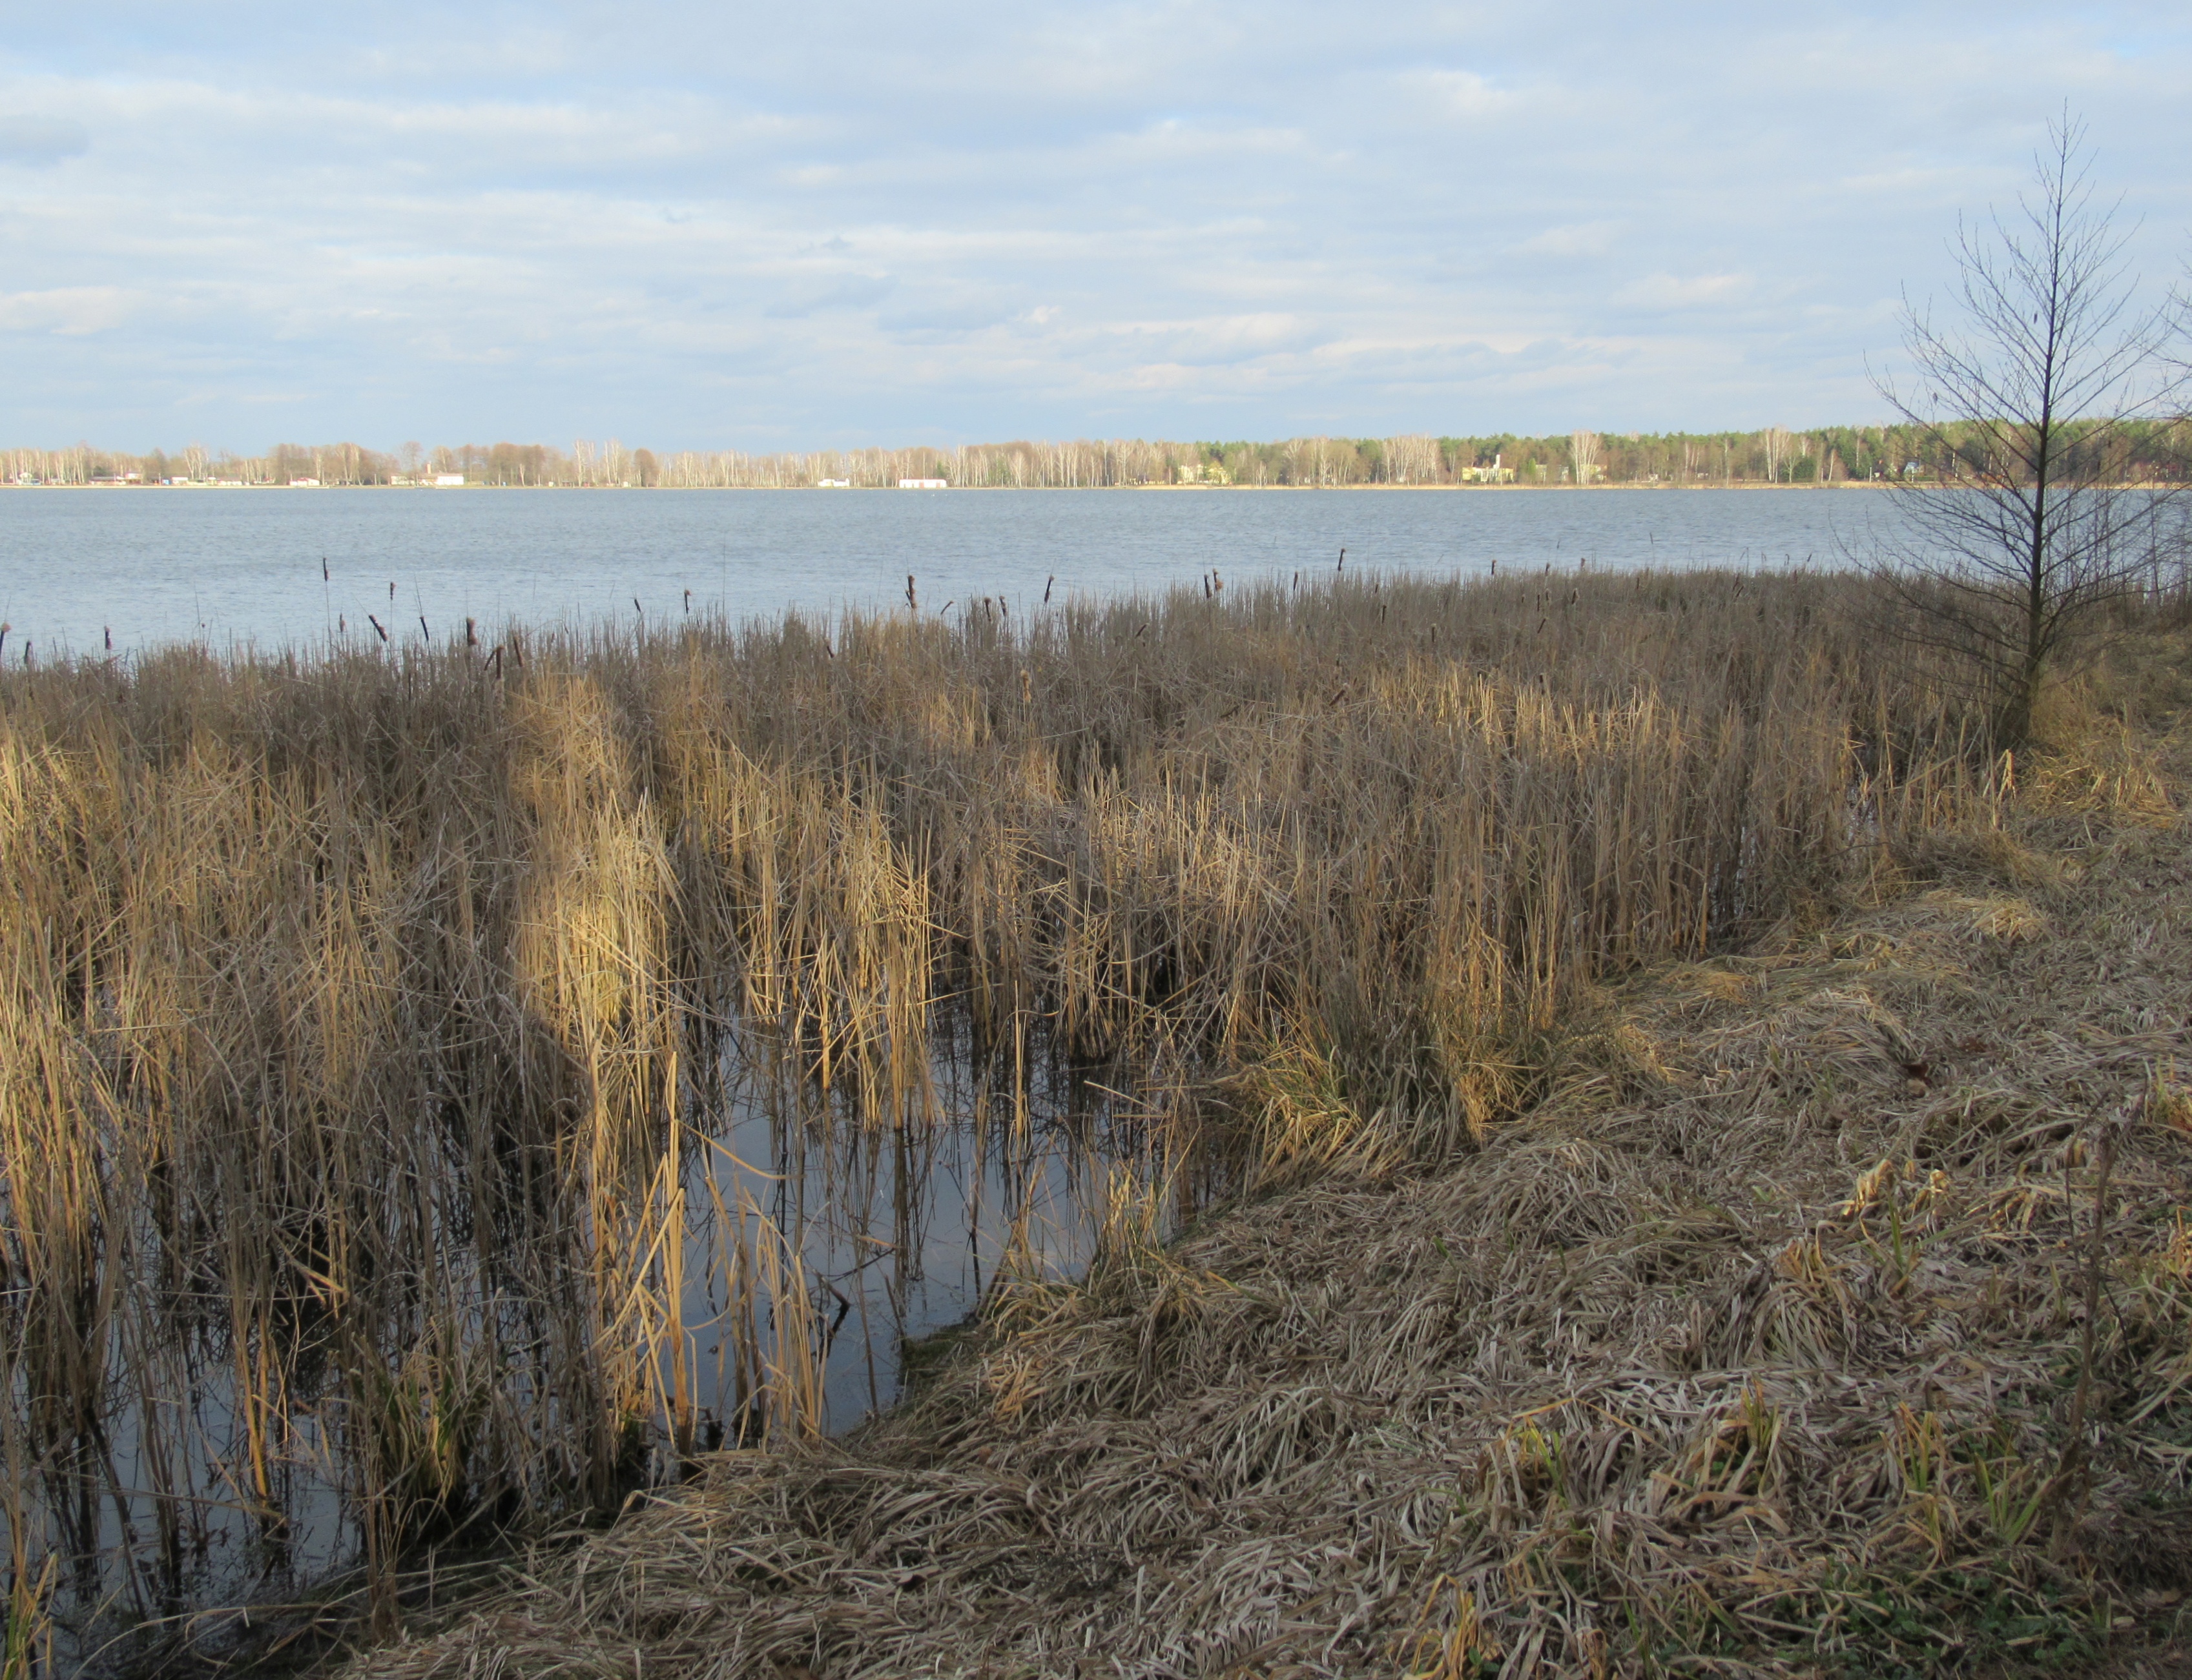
column 1668, row 291
column 72, row 311
column 1577, row 239
column 585, row 215
column 1465, row 94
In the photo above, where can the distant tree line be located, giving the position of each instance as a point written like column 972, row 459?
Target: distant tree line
column 2158, row 451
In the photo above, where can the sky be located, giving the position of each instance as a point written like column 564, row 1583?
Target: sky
column 841, row 224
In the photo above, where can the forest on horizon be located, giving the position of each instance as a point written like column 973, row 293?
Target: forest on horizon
column 2160, row 451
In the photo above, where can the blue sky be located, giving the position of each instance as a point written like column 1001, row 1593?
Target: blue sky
column 736, row 227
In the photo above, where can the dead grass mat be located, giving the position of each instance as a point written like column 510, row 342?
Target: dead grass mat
column 1752, row 1350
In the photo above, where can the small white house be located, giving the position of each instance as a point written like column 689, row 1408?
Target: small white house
column 304, row 484
column 924, row 483
column 452, row 479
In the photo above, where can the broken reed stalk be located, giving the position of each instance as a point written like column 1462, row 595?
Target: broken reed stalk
column 339, row 997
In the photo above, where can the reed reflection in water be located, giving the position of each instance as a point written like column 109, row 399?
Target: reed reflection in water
column 898, row 1232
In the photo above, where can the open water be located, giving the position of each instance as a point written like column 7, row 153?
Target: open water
column 231, row 566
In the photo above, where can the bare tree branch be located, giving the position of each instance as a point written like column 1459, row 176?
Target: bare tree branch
column 2032, row 509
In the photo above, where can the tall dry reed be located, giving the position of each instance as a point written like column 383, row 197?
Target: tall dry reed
column 361, row 1016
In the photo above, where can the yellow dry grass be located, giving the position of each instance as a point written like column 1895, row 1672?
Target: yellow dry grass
column 1755, row 1347
column 359, row 1017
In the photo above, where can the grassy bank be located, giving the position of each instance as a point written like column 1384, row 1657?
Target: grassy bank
column 363, row 1017
column 1827, row 1314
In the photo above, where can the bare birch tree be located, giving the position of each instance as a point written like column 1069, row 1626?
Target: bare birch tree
column 1775, row 441
column 1412, row 459
column 1583, row 454
column 2035, row 511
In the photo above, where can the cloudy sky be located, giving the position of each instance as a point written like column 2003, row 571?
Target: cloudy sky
column 731, row 227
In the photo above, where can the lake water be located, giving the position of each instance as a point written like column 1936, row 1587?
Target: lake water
column 244, row 566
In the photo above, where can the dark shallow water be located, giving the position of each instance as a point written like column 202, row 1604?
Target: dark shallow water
column 855, row 1240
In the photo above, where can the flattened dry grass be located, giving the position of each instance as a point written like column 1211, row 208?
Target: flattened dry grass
column 1753, row 1348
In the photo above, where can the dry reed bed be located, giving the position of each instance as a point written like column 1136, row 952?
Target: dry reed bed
column 348, row 1001
column 1753, row 1349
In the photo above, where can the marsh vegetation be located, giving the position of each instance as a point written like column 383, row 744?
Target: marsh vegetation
column 376, row 1029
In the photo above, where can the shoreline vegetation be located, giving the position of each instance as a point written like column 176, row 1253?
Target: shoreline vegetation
column 1666, row 1148
column 2161, row 452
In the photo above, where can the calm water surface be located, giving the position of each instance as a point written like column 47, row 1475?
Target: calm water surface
column 243, row 565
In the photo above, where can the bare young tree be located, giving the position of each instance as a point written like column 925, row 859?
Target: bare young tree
column 2032, row 507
